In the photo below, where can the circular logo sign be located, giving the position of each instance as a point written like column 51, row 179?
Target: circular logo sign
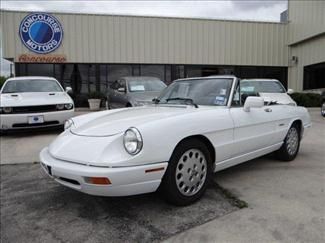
column 41, row 33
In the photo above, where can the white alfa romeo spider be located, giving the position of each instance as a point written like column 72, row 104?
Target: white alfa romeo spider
column 195, row 127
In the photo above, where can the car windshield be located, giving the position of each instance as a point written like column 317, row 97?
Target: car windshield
column 140, row 85
column 212, row 91
column 261, row 86
column 31, row 85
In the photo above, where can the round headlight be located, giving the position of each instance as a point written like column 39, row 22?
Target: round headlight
column 60, row 106
column 132, row 141
column 7, row 109
column 68, row 124
column 68, row 106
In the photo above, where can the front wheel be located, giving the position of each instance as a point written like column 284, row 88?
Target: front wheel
column 188, row 173
column 291, row 144
column 323, row 109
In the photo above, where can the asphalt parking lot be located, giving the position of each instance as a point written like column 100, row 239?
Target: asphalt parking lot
column 286, row 202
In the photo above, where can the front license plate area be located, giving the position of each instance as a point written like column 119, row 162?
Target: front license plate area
column 35, row 119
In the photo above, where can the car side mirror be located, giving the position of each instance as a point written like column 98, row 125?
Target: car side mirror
column 68, row 90
column 290, row 91
column 253, row 102
column 121, row 90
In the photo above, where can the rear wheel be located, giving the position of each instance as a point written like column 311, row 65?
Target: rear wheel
column 323, row 109
column 291, row 144
column 188, row 173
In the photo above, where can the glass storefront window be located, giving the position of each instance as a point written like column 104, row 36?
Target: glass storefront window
column 157, row 71
column 192, row 71
column 168, row 74
column 64, row 73
column 21, row 69
column 115, row 72
column 87, row 74
column 40, row 70
column 103, row 78
column 179, row 72
column 136, row 70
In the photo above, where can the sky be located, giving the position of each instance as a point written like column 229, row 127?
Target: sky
column 263, row 10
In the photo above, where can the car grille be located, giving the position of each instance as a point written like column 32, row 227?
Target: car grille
column 49, row 123
column 33, row 109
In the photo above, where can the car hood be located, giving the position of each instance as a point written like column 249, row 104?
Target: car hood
column 34, row 98
column 281, row 98
column 144, row 96
column 107, row 123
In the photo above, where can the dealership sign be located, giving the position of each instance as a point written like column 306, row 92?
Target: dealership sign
column 42, row 58
column 41, row 33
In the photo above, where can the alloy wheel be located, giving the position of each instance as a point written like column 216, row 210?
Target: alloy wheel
column 191, row 172
column 292, row 141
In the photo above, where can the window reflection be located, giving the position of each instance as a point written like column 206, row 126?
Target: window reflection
column 157, row 71
column 87, row 78
column 115, row 72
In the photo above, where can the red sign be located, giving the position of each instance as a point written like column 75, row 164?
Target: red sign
column 42, row 58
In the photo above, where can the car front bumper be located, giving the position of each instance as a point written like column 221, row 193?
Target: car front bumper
column 20, row 121
column 125, row 181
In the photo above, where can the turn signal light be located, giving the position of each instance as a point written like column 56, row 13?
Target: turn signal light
column 98, row 180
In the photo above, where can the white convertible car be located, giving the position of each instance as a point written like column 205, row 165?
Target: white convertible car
column 34, row 102
column 195, row 127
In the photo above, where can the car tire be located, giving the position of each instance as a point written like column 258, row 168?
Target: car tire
column 188, row 173
column 128, row 105
column 291, row 144
column 323, row 109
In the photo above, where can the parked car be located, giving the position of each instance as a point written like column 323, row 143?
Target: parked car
column 133, row 91
column 323, row 103
column 196, row 127
column 34, row 102
column 270, row 89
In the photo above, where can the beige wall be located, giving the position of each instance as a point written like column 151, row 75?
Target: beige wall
column 306, row 37
column 309, row 52
column 122, row 39
column 306, row 19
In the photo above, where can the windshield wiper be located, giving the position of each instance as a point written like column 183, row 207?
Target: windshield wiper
column 188, row 101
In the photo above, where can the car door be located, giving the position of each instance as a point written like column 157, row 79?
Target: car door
column 120, row 95
column 112, row 95
column 117, row 98
column 253, row 130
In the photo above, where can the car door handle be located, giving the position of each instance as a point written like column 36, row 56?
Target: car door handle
column 268, row 110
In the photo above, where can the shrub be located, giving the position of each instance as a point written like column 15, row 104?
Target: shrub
column 2, row 80
column 307, row 99
column 96, row 95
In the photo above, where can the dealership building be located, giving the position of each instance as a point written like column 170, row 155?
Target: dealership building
column 88, row 51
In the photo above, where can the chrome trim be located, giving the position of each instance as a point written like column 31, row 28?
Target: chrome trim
column 103, row 166
column 232, row 91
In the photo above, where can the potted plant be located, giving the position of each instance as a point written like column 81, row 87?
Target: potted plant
column 94, row 100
